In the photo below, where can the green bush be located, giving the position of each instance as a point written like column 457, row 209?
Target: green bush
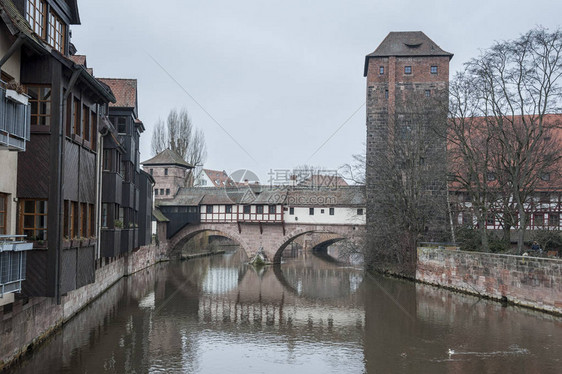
column 497, row 245
column 469, row 238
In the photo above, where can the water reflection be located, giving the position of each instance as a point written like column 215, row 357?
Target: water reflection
column 310, row 315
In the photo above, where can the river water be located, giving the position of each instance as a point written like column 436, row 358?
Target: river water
column 310, row 315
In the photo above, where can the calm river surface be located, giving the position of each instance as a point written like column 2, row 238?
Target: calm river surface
column 217, row 315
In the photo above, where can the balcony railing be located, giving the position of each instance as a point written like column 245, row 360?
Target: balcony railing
column 12, row 262
column 15, row 120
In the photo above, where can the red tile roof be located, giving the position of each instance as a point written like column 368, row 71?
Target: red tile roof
column 125, row 91
column 322, row 180
column 554, row 123
column 79, row 60
column 219, row 178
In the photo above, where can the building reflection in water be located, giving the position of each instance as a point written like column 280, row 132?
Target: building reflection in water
column 309, row 315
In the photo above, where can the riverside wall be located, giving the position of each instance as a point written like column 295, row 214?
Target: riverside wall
column 523, row 280
column 28, row 321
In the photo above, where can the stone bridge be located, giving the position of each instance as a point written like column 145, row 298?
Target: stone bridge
column 273, row 238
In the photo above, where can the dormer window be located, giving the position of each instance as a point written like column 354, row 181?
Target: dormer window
column 57, row 31
column 36, row 11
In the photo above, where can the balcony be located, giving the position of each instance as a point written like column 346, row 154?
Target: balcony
column 15, row 119
column 12, row 262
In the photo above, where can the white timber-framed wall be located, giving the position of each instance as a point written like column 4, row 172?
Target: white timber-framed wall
column 332, row 215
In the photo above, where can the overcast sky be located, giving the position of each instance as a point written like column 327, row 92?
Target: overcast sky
column 279, row 76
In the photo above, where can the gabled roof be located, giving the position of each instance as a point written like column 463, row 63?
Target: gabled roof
column 349, row 196
column 323, row 180
column 406, row 43
column 167, row 157
column 219, row 178
column 79, row 60
column 125, row 91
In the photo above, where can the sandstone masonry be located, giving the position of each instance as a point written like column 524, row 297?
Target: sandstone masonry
column 527, row 281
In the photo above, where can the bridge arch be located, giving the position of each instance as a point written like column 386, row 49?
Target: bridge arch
column 273, row 239
column 333, row 234
column 176, row 242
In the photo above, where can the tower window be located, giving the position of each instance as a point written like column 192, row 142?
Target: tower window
column 407, row 70
column 386, row 94
column 381, row 70
column 427, row 93
column 166, row 171
column 433, row 69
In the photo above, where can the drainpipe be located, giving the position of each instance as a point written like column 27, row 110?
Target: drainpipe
column 60, row 179
column 100, row 111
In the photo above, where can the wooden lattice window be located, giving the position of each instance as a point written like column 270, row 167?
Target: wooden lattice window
column 93, row 130
column 35, row 15
column 84, row 220
column 73, row 230
column 86, row 122
column 76, row 117
column 554, row 219
column 40, row 100
column 57, row 32
column 538, row 219
column 33, row 219
column 92, row 222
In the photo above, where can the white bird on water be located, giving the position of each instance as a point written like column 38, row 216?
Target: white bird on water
column 450, row 352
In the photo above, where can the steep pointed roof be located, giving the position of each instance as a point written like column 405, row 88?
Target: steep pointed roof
column 168, row 157
column 219, row 178
column 406, row 43
column 125, row 91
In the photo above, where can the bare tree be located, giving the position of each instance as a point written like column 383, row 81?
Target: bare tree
column 469, row 159
column 408, row 185
column 179, row 135
column 514, row 86
column 355, row 172
column 197, row 151
column 159, row 138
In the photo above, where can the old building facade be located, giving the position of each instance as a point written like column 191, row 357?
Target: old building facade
column 170, row 172
column 56, row 183
column 126, row 198
column 407, row 83
column 52, row 196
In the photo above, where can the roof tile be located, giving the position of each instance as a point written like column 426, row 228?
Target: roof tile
column 125, row 91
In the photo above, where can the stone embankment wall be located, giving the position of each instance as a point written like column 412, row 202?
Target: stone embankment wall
column 523, row 280
column 31, row 321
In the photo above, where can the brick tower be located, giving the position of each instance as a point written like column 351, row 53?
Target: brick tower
column 407, row 85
